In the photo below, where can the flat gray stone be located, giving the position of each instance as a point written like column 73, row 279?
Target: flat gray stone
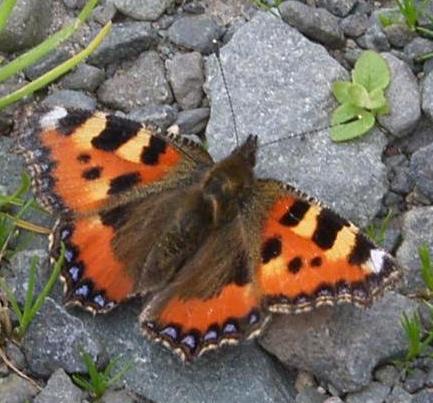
column 14, row 389
column 375, row 392
column 11, row 166
column 60, row 388
column 196, row 32
column 388, row 375
column 427, row 95
column 193, row 121
column 310, row 395
column 186, row 76
column 425, row 396
column 28, row 25
column 47, row 63
column 120, row 396
column 398, row 395
column 340, row 345
column 418, row 47
column 374, row 37
column 85, row 77
column 399, row 35
column 279, row 83
column 415, row 380
column 130, row 88
column 159, row 115
column 54, row 340
column 421, row 170
column 404, row 99
column 126, row 40
column 242, row 373
column 147, row 10
column 416, row 230
column 70, row 99
column 354, row 25
column 316, row 23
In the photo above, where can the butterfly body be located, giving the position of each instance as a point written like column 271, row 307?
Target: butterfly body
column 214, row 249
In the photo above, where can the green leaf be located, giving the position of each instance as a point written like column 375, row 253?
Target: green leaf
column 6, row 8
column 340, row 90
column 344, row 113
column 371, row 71
column 358, row 95
column 349, row 131
column 377, row 99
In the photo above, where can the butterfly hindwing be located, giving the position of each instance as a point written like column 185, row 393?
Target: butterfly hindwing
column 310, row 256
column 94, row 168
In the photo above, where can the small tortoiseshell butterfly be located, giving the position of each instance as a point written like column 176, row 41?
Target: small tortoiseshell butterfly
column 215, row 249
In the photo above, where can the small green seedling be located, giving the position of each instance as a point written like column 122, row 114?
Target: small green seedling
column 32, row 305
column 426, row 266
column 268, row 5
column 361, row 99
column 377, row 231
column 97, row 382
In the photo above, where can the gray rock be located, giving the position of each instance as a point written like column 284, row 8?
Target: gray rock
column 402, row 181
column 398, row 395
column 186, row 76
column 60, row 388
column 85, row 77
column 374, row 37
column 338, row 7
column 193, row 121
column 130, row 88
column 354, row 25
column 27, row 26
column 126, row 40
column 429, row 377
column 418, row 47
column 15, row 355
column 404, row 99
column 159, row 115
column 275, row 96
column 74, row 3
column 375, row 392
column 196, row 32
column 340, row 345
column 14, row 389
column 316, row 23
column 427, row 96
column 399, row 35
column 70, row 99
column 53, row 59
column 421, row 170
column 104, row 13
column 310, row 395
column 119, row 396
column 425, row 396
column 428, row 66
column 420, row 137
column 242, row 373
column 416, row 230
column 54, row 340
column 415, row 380
column 388, row 375
column 10, row 166
column 149, row 10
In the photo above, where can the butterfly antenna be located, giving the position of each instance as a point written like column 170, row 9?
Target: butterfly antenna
column 235, row 126
column 291, row 135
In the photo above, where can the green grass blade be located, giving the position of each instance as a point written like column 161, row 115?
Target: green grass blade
column 51, row 43
column 23, row 189
column 55, row 73
column 426, row 266
column 82, row 383
column 6, row 8
column 50, row 283
column 30, row 292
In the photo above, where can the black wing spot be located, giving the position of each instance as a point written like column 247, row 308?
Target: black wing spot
column 117, row 132
column 271, row 249
column 316, row 261
column 328, row 226
column 295, row 213
column 295, row 265
column 150, row 154
column 92, row 173
column 74, row 119
column 361, row 251
column 84, row 158
column 124, row 182
column 115, row 217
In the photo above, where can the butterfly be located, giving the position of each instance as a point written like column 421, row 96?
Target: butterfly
column 214, row 250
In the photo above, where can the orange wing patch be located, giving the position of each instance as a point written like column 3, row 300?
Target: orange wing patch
column 191, row 327
column 310, row 256
column 93, row 276
column 92, row 157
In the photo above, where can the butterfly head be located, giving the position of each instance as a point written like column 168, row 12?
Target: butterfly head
column 230, row 180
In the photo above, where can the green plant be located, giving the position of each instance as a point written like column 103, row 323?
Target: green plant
column 31, row 304
column 410, row 11
column 97, row 382
column 377, row 231
column 426, row 266
column 361, row 99
column 268, row 5
column 51, row 43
